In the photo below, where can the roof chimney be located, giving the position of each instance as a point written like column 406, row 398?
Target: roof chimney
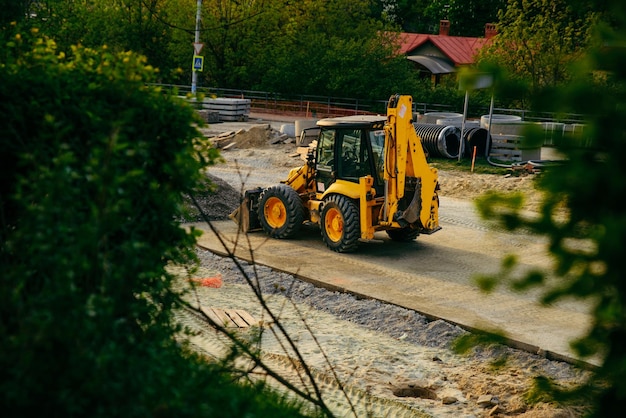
column 444, row 27
column 490, row 30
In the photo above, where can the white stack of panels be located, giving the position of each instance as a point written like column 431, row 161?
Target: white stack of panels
column 229, row 109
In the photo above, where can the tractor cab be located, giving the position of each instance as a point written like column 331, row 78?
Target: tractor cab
column 348, row 148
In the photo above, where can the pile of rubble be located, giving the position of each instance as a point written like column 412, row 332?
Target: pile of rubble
column 255, row 136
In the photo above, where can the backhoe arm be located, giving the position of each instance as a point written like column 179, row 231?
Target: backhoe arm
column 404, row 157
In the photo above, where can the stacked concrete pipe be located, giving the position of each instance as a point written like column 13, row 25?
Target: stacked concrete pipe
column 439, row 140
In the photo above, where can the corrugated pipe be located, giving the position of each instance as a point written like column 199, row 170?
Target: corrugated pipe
column 476, row 137
column 439, row 140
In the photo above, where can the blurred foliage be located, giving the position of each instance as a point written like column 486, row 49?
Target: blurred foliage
column 94, row 165
column 588, row 241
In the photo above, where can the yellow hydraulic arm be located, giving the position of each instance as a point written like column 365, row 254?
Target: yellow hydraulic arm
column 404, row 157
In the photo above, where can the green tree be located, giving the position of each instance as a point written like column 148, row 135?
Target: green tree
column 122, row 25
column 335, row 49
column 94, row 165
column 309, row 47
column 538, row 40
column 236, row 36
column 406, row 14
column 582, row 215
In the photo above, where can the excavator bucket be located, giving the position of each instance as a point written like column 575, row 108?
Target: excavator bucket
column 246, row 215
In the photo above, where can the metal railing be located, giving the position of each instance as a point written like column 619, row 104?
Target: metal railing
column 296, row 105
column 325, row 106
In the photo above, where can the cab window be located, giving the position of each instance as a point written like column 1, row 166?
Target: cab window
column 326, row 148
column 377, row 141
column 325, row 160
column 352, row 156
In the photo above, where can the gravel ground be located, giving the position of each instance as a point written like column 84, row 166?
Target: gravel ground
column 391, row 361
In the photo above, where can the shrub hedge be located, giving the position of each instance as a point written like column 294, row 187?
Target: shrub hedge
column 93, row 167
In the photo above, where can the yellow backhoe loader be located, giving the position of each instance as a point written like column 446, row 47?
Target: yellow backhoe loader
column 366, row 174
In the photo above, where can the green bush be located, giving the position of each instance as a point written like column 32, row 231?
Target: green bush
column 93, row 168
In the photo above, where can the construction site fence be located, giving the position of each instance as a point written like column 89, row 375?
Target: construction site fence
column 305, row 106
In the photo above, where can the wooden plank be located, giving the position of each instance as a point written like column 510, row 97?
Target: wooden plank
column 496, row 145
column 247, row 317
column 230, row 318
column 227, row 147
column 227, row 134
column 224, row 319
column 236, row 318
column 209, row 312
column 507, row 139
column 504, row 148
column 222, row 141
column 507, row 136
column 506, row 155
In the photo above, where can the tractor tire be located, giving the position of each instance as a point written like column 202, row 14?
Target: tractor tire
column 340, row 224
column 280, row 211
column 403, row 235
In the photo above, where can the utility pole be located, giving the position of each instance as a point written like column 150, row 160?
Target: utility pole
column 194, row 72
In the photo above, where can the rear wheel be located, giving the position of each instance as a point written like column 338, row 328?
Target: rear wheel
column 340, row 224
column 280, row 211
column 403, row 235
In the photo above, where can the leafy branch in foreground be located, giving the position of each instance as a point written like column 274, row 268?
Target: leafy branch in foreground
column 94, row 166
column 587, row 240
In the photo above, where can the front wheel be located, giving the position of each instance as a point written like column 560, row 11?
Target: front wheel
column 280, row 211
column 340, row 224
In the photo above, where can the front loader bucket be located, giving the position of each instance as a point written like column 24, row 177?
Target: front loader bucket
column 246, row 215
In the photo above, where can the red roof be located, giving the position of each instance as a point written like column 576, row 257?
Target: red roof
column 460, row 49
